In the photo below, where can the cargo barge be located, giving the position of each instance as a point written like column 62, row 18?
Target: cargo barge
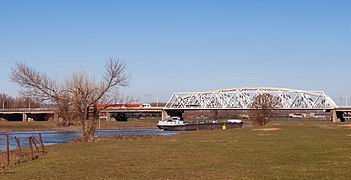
column 176, row 124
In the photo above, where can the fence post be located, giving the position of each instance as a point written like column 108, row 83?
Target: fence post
column 8, row 149
column 41, row 142
column 18, row 141
column 31, row 147
column 34, row 140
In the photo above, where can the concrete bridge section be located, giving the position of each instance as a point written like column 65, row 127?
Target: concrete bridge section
column 122, row 114
column 43, row 114
column 28, row 114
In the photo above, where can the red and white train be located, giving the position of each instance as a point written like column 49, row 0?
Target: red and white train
column 123, row 106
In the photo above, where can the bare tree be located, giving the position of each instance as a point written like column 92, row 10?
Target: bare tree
column 263, row 109
column 77, row 97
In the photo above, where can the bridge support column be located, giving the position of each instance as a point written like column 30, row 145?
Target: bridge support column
column 56, row 117
column 108, row 116
column 24, row 117
column 334, row 117
column 164, row 115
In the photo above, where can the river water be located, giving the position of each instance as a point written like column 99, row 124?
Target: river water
column 59, row 137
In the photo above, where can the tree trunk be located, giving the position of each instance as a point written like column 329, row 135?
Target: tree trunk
column 88, row 129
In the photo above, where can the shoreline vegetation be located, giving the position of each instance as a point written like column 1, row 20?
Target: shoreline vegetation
column 293, row 149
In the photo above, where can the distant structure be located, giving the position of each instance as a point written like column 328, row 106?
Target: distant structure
column 242, row 99
column 224, row 99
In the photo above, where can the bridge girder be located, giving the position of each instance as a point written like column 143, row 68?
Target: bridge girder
column 242, row 98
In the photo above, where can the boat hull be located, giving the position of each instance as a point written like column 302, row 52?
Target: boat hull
column 200, row 126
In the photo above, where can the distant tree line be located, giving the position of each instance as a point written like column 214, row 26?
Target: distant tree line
column 7, row 101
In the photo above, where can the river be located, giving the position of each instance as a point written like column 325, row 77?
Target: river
column 59, row 137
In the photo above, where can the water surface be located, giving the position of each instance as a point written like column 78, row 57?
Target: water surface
column 59, row 137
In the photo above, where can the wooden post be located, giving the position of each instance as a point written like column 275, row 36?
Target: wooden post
column 34, row 140
column 19, row 147
column 41, row 142
column 31, row 147
column 8, row 149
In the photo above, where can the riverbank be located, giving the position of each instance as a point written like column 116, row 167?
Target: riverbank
column 281, row 150
column 12, row 126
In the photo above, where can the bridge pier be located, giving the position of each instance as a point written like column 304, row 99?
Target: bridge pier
column 334, row 117
column 164, row 115
column 108, row 116
column 56, row 117
column 24, row 117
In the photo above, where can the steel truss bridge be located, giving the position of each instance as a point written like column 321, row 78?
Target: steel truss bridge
column 243, row 98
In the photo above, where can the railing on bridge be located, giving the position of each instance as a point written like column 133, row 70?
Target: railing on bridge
column 26, row 109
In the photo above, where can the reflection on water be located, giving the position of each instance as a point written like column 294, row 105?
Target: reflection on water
column 58, row 137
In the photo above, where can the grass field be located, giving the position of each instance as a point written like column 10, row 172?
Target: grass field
column 282, row 150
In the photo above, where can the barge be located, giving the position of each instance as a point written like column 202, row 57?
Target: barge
column 175, row 124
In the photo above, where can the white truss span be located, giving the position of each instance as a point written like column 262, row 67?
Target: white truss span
column 242, row 98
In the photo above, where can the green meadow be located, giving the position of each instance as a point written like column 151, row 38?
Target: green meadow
column 281, row 150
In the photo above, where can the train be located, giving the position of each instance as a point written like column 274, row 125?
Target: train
column 122, row 106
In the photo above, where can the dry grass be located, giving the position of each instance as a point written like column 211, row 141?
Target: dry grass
column 348, row 126
column 267, row 129
column 300, row 150
column 263, row 134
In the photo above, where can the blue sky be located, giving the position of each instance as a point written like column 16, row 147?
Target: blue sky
column 182, row 45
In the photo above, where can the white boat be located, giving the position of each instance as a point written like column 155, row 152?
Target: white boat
column 171, row 123
column 175, row 124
